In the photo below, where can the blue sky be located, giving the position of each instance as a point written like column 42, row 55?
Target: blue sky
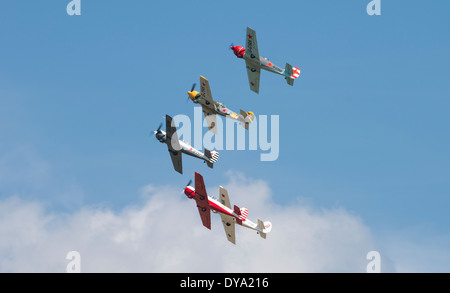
column 365, row 127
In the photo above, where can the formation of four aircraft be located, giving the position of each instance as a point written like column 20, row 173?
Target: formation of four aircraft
column 205, row 204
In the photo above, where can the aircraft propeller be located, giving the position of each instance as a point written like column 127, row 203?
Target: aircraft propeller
column 189, row 183
column 158, row 134
column 156, row 131
column 192, row 89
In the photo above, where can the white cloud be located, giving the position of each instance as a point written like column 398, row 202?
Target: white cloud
column 25, row 172
column 417, row 250
column 164, row 234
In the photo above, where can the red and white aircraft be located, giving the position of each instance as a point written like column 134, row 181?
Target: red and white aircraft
column 222, row 206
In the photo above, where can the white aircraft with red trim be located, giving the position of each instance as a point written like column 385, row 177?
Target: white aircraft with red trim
column 222, row 206
column 255, row 63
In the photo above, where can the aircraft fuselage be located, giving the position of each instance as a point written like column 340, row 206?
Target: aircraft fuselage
column 219, row 109
column 218, row 207
column 264, row 63
column 185, row 148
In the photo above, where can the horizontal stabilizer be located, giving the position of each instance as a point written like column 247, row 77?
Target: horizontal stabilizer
column 248, row 117
column 290, row 81
column 291, row 73
column 212, row 157
column 264, row 228
column 237, row 211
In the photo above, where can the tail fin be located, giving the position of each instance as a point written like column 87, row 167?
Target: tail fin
column 248, row 117
column 291, row 73
column 264, row 228
column 212, row 157
column 244, row 213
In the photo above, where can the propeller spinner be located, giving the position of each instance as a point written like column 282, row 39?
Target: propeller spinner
column 192, row 94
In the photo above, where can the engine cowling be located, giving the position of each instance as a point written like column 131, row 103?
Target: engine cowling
column 189, row 191
column 160, row 136
column 239, row 51
column 193, row 95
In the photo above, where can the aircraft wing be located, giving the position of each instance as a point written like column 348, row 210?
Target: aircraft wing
column 228, row 222
column 176, row 161
column 224, row 199
column 254, row 74
column 171, row 134
column 229, row 226
column 202, row 201
column 210, row 117
column 251, row 46
column 205, row 93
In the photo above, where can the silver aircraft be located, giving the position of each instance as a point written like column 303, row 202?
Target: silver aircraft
column 177, row 147
column 255, row 63
column 210, row 107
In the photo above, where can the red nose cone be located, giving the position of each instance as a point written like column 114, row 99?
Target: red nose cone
column 239, row 51
column 189, row 191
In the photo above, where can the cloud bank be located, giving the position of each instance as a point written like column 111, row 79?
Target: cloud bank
column 164, row 234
